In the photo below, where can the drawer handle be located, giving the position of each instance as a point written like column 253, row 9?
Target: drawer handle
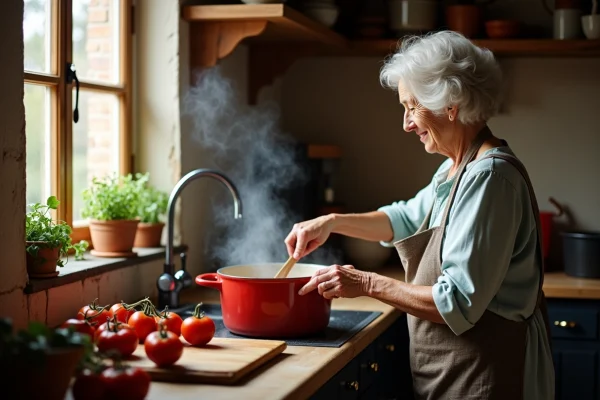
column 390, row 347
column 352, row 385
column 374, row 366
column 565, row 324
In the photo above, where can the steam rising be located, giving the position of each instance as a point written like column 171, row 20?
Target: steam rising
column 247, row 145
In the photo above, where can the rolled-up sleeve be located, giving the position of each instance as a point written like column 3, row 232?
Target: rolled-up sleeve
column 406, row 216
column 477, row 249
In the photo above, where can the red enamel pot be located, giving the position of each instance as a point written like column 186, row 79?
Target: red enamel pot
column 255, row 304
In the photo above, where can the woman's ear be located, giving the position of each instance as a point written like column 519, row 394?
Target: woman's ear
column 452, row 112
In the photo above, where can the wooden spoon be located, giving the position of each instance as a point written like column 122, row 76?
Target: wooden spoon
column 287, row 267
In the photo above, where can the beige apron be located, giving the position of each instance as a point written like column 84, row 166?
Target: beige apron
column 485, row 362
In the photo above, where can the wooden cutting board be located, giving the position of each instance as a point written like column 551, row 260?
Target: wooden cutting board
column 222, row 361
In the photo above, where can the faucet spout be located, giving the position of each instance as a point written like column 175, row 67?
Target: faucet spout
column 169, row 283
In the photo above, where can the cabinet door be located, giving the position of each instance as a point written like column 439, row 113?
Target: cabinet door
column 577, row 370
column 394, row 380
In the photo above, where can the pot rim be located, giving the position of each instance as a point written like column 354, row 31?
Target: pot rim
column 581, row 234
column 223, row 275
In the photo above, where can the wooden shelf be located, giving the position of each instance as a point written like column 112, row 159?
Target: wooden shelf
column 507, row 47
column 278, row 35
column 283, row 23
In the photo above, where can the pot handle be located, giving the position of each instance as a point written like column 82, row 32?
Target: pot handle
column 211, row 280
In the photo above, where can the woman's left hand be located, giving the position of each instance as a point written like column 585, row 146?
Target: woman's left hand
column 338, row 281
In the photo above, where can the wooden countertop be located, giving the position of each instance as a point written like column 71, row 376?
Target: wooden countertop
column 301, row 370
column 297, row 373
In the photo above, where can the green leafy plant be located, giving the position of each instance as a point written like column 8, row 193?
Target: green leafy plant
column 42, row 232
column 32, row 344
column 153, row 202
column 112, row 198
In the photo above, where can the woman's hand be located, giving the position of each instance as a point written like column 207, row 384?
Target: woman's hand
column 307, row 236
column 338, row 281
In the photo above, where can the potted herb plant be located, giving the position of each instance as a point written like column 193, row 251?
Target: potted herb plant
column 46, row 241
column 111, row 204
column 152, row 209
column 40, row 360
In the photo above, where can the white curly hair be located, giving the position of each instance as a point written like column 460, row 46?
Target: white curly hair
column 443, row 69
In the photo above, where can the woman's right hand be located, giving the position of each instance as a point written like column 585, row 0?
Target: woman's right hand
column 307, row 236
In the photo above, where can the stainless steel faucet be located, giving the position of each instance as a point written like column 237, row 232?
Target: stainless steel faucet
column 170, row 283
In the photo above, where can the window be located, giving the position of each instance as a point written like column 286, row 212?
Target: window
column 63, row 155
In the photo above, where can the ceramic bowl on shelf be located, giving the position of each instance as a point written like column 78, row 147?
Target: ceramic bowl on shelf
column 327, row 15
column 502, row 29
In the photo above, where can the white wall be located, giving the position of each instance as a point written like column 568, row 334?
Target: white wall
column 551, row 119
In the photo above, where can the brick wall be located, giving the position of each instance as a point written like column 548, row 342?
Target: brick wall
column 101, row 109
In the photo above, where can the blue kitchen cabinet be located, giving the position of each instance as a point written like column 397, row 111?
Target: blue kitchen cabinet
column 575, row 348
column 380, row 372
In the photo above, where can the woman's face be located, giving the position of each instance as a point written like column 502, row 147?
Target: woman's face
column 433, row 130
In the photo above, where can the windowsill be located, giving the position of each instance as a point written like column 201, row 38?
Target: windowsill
column 91, row 266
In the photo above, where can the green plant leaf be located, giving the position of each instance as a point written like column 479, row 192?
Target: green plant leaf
column 52, row 202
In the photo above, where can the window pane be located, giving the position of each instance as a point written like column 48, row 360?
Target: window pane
column 37, row 35
column 95, row 142
column 37, row 122
column 96, row 40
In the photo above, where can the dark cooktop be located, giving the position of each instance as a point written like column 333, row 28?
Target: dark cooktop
column 343, row 324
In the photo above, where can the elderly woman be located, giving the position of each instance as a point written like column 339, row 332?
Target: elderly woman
column 469, row 241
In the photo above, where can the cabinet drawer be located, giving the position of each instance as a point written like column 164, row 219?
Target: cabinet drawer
column 573, row 324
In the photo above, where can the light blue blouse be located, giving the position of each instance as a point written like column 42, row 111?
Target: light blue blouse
column 488, row 254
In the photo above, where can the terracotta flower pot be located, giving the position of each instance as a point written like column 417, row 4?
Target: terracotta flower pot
column 148, row 235
column 52, row 377
column 44, row 264
column 113, row 238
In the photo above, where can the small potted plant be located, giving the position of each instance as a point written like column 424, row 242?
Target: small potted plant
column 46, row 241
column 112, row 205
column 40, row 360
column 152, row 209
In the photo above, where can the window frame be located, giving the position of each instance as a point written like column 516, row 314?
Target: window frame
column 61, row 103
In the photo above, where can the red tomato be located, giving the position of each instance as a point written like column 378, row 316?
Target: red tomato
column 93, row 313
column 80, row 325
column 88, row 386
column 110, row 325
column 123, row 340
column 171, row 320
column 198, row 329
column 126, row 383
column 163, row 347
column 143, row 324
column 121, row 312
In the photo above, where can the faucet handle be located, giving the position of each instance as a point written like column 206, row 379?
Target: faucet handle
column 182, row 275
column 166, row 283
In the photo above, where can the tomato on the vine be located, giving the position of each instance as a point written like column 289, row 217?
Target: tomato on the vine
column 198, row 329
column 124, row 341
column 88, row 385
column 111, row 324
column 126, row 383
column 119, row 337
column 80, row 325
column 94, row 313
column 163, row 347
column 143, row 324
column 121, row 312
column 171, row 320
